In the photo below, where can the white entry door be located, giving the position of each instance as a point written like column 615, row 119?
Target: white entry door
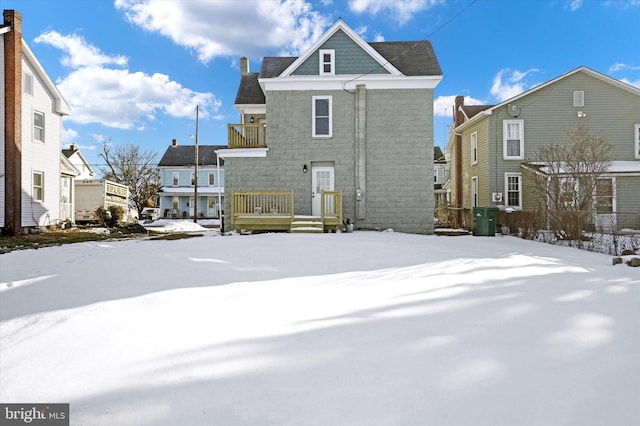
column 322, row 179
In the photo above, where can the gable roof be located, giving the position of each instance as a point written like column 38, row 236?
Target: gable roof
column 184, row 156
column 61, row 106
column 341, row 26
column 617, row 83
column 399, row 59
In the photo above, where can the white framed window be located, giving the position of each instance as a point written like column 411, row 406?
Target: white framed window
column 27, row 83
column 513, row 190
column 193, row 178
column 568, row 192
column 605, row 195
column 474, row 148
column 327, row 62
column 474, row 191
column 38, row 186
column 322, row 121
column 38, row 126
column 637, row 139
column 212, row 179
column 578, row 98
column 513, row 135
column 175, row 179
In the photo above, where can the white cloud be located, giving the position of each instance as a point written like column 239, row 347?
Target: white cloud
column 508, row 83
column 116, row 97
column 443, row 105
column 69, row 136
column 623, row 67
column 401, row 11
column 635, row 83
column 229, row 28
column 79, row 53
column 575, row 5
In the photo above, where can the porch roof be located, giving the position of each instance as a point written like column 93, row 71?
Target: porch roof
column 181, row 191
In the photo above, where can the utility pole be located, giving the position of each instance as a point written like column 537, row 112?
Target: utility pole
column 195, row 180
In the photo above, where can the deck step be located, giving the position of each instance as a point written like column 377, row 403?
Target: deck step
column 306, row 224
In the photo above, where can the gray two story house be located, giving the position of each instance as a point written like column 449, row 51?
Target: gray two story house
column 343, row 132
column 495, row 147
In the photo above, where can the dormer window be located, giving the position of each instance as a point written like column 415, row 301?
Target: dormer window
column 327, row 62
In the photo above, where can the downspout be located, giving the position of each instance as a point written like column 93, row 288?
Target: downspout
column 360, row 139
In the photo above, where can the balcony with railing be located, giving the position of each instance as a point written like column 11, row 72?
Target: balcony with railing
column 248, row 135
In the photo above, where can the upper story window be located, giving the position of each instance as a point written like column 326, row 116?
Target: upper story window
column 175, row 179
column 38, row 126
column 193, row 178
column 322, row 122
column 513, row 134
column 212, row 179
column 637, row 139
column 27, row 83
column 578, row 98
column 513, row 189
column 327, row 62
column 38, row 186
column 474, row 148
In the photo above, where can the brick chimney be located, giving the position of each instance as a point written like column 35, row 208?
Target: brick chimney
column 13, row 122
column 244, row 65
column 174, row 142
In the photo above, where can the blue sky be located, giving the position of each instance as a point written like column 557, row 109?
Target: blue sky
column 133, row 71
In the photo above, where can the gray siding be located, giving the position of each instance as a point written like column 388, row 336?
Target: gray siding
column 399, row 156
column 349, row 58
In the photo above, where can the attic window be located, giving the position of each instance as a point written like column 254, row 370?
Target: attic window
column 578, row 98
column 27, row 82
column 327, row 62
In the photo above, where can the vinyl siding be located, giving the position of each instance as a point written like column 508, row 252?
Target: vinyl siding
column 349, row 58
column 480, row 170
column 40, row 156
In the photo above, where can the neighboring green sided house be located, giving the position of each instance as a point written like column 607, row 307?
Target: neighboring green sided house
column 491, row 145
column 347, row 117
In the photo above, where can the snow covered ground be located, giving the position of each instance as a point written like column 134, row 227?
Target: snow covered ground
column 362, row 328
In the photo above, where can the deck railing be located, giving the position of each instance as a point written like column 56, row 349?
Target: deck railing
column 263, row 203
column 253, row 135
column 331, row 207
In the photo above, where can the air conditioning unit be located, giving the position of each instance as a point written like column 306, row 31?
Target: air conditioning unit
column 496, row 197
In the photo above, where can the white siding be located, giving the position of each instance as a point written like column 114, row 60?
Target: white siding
column 39, row 156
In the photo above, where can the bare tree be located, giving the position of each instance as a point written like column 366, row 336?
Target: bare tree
column 565, row 179
column 129, row 165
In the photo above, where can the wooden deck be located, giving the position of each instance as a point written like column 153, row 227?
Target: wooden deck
column 274, row 211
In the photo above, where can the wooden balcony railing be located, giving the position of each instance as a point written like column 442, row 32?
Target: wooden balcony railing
column 252, row 135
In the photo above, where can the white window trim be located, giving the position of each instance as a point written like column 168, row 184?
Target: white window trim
column 474, row 191
column 313, row 116
column 175, row 179
column 614, row 207
column 332, row 61
column 506, row 190
column 474, row 148
column 41, row 186
column 578, row 98
column 193, row 179
column 214, row 179
column 637, row 140
column 38, row 127
column 504, row 140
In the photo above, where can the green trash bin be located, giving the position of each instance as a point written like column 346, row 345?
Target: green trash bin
column 485, row 218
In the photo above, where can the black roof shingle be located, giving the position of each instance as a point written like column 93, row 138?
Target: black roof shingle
column 184, row 156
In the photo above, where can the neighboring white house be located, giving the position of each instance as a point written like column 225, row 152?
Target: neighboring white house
column 75, row 157
column 30, row 144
